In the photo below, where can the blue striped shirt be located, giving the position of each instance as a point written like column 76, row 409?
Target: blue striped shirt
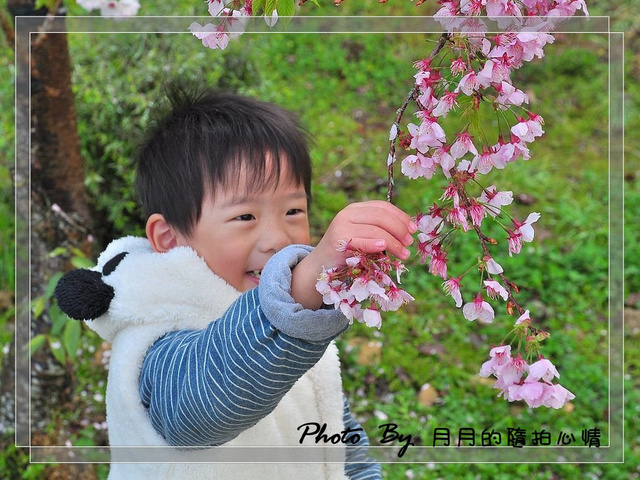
column 204, row 387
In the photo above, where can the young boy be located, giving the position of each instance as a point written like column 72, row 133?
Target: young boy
column 219, row 337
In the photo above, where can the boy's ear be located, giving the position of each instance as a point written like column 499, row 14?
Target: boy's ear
column 160, row 234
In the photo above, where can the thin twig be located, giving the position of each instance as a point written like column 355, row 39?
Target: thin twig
column 48, row 21
column 412, row 95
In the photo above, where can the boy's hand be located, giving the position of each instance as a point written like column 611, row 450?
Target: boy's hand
column 371, row 227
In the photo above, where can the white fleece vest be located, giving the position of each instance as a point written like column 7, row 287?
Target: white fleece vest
column 160, row 292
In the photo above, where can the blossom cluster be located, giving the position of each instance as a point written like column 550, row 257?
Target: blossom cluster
column 469, row 71
column 518, row 380
column 479, row 72
column 363, row 287
column 231, row 23
column 503, row 10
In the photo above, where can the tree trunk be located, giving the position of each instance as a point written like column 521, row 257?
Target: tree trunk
column 57, row 166
column 57, row 177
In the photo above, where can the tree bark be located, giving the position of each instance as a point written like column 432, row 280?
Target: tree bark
column 58, row 168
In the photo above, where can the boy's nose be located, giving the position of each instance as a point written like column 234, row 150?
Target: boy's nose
column 273, row 239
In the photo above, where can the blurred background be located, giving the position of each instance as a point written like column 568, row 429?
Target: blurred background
column 420, row 369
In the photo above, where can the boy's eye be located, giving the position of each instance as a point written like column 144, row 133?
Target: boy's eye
column 295, row 211
column 247, row 217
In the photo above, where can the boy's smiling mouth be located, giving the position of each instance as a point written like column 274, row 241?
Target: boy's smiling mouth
column 254, row 276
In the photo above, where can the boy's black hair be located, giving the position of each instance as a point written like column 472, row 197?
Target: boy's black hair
column 200, row 139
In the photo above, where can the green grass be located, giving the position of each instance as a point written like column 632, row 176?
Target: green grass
column 346, row 89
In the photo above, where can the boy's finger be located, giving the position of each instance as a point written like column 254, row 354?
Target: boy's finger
column 376, row 245
column 390, row 209
column 364, row 218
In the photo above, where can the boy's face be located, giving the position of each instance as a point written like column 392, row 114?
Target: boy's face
column 240, row 230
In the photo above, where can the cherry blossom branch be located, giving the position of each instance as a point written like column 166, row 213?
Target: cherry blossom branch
column 395, row 128
column 484, row 240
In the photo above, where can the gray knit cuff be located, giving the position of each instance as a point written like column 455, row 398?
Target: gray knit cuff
column 289, row 317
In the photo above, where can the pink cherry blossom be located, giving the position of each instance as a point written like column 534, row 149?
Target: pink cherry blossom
column 458, row 216
column 494, row 289
column 472, row 82
column 462, row 145
column 427, row 78
column 502, row 8
column 533, row 393
column 212, row 36
column 446, row 103
column 123, row 8
column 495, row 199
column 503, row 153
column 510, row 95
column 472, row 7
column 558, row 396
column 567, row 8
column 494, row 71
column 519, row 149
column 329, row 289
column 372, row 318
column 443, row 157
column 451, row 192
column 532, row 44
column 465, row 166
column 424, row 64
column 426, row 243
column 478, row 309
column 523, row 233
column 537, row 7
column 400, row 268
column 514, row 242
column 427, row 100
column 493, row 267
column 353, row 261
column 543, row 370
column 395, row 298
column 477, row 213
column 417, row 166
column 452, row 287
column 344, row 245
column 482, row 70
column 428, row 134
column 511, row 371
column 499, row 356
column 438, row 265
column 363, row 288
column 427, row 223
column 526, row 228
column 485, row 161
column 90, row 5
column 448, row 9
column 475, row 29
column 458, row 66
column 351, row 310
column 525, row 317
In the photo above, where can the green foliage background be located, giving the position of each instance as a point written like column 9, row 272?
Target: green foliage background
column 346, row 89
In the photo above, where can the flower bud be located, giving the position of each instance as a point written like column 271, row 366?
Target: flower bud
column 492, row 241
column 509, row 307
column 541, row 336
